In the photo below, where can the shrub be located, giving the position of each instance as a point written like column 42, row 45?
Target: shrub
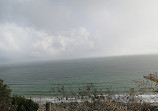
column 15, row 103
column 92, row 99
column 5, row 97
column 22, row 104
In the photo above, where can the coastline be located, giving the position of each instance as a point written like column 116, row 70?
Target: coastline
column 146, row 98
column 149, row 98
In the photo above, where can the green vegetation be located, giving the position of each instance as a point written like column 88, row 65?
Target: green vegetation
column 22, row 104
column 5, row 97
column 15, row 103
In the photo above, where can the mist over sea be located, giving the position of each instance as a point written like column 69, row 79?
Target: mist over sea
column 36, row 78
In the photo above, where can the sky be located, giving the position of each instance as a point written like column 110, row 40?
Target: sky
column 69, row 29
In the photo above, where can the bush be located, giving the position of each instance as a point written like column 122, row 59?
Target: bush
column 5, row 97
column 15, row 103
column 92, row 99
column 22, row 104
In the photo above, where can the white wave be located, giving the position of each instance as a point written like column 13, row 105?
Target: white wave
column 152, row 98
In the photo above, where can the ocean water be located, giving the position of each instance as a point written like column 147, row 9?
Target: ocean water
column 36, row 78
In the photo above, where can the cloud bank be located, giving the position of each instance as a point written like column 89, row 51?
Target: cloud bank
column 50, row 29
column 28, row 43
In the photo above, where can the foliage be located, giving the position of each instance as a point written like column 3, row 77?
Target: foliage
column 22, row 104
column 87, row 98
column 5, row 97
column 15, row 103
column 90, row 98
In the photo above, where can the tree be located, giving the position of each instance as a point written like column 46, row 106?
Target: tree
column 5, row 97
column 15, row 103
column 22, row 104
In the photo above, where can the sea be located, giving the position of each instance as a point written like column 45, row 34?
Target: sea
column 35, row 79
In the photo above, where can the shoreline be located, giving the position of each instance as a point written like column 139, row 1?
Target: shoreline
column 149, row 98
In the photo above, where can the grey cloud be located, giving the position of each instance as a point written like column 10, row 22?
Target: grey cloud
column 18, row 43
column 58, row 29
column 39, row 29
column 39, row 14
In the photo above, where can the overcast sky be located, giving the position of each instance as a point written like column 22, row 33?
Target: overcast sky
column 68, row 29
